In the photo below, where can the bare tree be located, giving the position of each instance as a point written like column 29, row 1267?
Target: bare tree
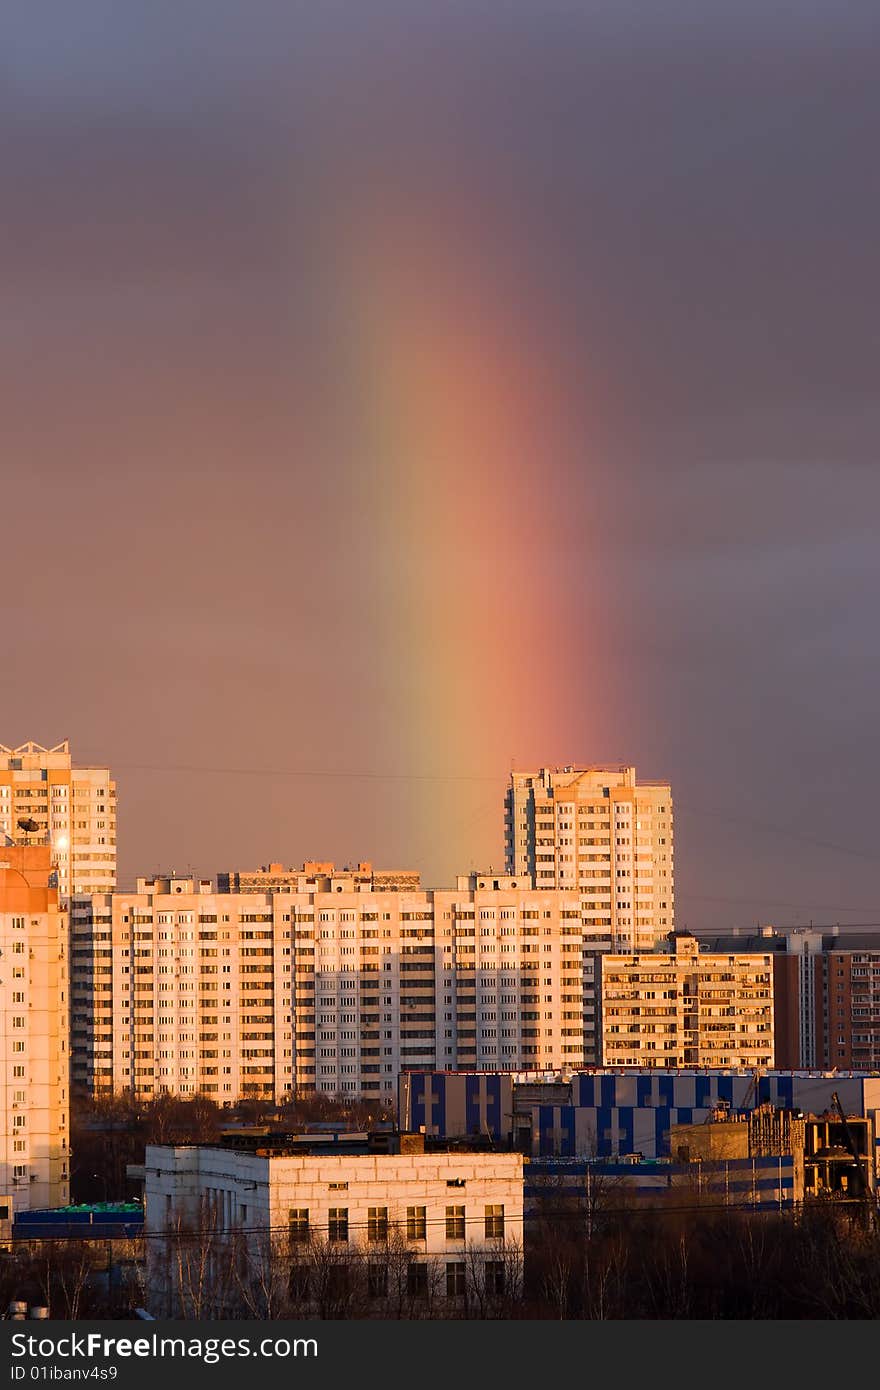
column 666, row 1278
column 261, row 1276
column 335, row 1278
column 200, row 1270
column 64, row 1270
column 494, row 1278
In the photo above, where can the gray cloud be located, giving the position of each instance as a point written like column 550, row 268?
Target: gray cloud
column 681, row 207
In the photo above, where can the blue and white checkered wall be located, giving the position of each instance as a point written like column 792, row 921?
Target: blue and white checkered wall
column 615, row 1112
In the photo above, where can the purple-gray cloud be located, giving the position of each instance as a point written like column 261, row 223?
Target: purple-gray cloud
column 194, row 562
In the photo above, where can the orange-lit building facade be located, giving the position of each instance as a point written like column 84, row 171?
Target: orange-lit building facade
column 828, row 1002
column 826, row 987
column 601, row 833
column 179, row 988
column 73, row 809
column 34, row 1008
column 687, row 1007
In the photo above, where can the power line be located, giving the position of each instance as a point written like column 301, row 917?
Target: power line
column 772, row 902
column 341, row 773
column 766, row 828
column 369, row 775
column 685, row 808
column 741, row 1203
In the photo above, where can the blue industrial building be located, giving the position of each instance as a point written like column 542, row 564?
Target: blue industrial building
column 95, row 1221
column 610, row 1113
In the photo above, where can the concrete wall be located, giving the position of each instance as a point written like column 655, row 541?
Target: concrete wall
column 710, row 1141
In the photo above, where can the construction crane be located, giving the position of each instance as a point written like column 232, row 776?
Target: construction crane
column 861, row 1180
column 752, row 1092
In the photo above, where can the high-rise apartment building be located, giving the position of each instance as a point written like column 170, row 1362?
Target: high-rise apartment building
column 43, row 796
column 34, row 1016
column 826, row 989
column 830, row 999
column 598, row 832
column 687, row 1007
column 178, row 988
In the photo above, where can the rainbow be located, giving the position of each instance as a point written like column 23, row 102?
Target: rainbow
column 459, row 424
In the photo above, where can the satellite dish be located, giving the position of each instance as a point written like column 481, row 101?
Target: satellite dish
column 28, row 824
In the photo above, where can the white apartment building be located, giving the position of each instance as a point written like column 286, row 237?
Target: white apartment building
column 598, row 832
column 181, row 989
column 34, row 1017
column 684, row 1007
column 175, row 988
column 73, row 807
column 455, row 1218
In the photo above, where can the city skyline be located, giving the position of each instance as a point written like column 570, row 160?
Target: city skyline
column 438, row 528
column 132, row 860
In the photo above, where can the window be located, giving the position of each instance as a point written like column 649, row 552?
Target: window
column 377, row 1280
column 338, row 1224
column 299, row 1224
column 455, row 1223
column 377, row 1223
column 494, row 1278
column 417, row 1279
column 416, row 1223
column 455, row 1279
column 338, row 1281
column 299, row 1283
column 494, row 1223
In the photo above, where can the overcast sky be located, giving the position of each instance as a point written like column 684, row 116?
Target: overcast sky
column 392, row 391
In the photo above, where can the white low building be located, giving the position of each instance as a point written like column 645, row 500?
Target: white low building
column 276, row 1233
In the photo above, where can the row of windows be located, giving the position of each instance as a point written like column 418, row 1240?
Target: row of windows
column 378, row 1224
column 417, row 1280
